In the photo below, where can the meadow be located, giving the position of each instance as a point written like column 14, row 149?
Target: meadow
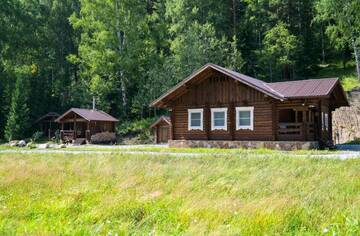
column 122, row 194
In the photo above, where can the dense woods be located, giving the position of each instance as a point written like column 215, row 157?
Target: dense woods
column 57, row 54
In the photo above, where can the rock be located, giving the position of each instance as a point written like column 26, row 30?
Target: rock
column 62, row 146
column 13, row 143
column 44, row 146
column 21, row 143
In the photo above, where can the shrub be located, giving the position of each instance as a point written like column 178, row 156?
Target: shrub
column 36, row 136
column 104, row 137
column 134, row 127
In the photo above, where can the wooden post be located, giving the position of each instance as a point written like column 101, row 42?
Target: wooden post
column 172, row 127
column 304, row 126
column 74, row 136
column 87, row 135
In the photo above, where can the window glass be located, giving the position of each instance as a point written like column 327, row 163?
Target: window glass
column 195, row 119
column 244, row 118
column 219, row 118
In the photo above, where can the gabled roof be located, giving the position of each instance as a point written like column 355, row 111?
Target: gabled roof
column 279, row 90
column 166, row 119
column 252, row 82
column 90, row 115
column 52, row 115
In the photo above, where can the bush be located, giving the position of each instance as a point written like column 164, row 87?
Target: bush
column 136, row 132
column 36, row 136
column 103, row 138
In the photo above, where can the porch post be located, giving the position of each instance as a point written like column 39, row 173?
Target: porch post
column 74, row 137
column 304, row 126
column 62, row 131
column 87, row 135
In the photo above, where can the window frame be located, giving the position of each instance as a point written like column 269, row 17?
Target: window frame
column 240, row 127
column 197, row 110
column 222, row 109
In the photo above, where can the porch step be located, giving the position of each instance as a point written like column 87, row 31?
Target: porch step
column 79, row 141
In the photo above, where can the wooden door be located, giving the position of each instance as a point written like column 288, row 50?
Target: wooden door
column 163, row 134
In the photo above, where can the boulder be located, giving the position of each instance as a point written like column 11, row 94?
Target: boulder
column 13, row 143
column 21, row 143
column 44, row 146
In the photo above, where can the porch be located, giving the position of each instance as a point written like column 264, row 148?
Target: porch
column 76, row 129
column 297, row 124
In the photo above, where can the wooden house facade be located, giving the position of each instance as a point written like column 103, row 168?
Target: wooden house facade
column 81, row 124
column 215, row 103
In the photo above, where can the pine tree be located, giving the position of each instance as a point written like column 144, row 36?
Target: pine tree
column 18, row 121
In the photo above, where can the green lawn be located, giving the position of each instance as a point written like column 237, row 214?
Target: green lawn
column 67, row 194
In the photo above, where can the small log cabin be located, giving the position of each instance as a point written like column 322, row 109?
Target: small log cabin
column 161, row 129
column 47, row 125
column 215, row 103
column 81, row 124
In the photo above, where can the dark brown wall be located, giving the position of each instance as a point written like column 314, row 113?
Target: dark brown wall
column 220, row 91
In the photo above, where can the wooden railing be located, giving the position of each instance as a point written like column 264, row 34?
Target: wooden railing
column 296, row 131
column 67, row 135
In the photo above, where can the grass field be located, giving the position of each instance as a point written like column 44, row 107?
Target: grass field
column 66, row 194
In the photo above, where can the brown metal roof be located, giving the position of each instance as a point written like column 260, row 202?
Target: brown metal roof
column 90, row 115
column 305, row 88
column 278, row 90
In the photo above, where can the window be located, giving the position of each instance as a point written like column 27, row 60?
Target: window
column 218, row 118
column 245, row 118
column 195, row 119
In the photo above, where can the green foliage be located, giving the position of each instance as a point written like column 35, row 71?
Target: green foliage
column 280, row 48
column 37, row 136
column 350, row 83
column 153, row 194
column 134, row 127
column 18, row 123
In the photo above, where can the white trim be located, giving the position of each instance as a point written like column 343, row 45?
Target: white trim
column 224, row 127
column 251, row 126
column 201, row 119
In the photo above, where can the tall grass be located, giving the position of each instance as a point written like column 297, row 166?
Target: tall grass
column 67, row 194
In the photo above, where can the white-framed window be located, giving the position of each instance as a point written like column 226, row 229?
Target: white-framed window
column 195, row 119
column 219, row 118
column 245, row 118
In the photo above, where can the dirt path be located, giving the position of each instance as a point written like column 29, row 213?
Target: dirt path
column 340, row 155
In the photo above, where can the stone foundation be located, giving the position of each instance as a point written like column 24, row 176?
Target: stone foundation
column 278, row 145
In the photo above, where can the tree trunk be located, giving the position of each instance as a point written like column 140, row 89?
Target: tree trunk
column 323, row 46
column 234, row 16
column 121, row 44
column 356, row 53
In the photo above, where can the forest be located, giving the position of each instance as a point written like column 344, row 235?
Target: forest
column 58, row 54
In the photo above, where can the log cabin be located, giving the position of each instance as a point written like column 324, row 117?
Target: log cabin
column 80, row 124
column 218, row 107
column 161, row 128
